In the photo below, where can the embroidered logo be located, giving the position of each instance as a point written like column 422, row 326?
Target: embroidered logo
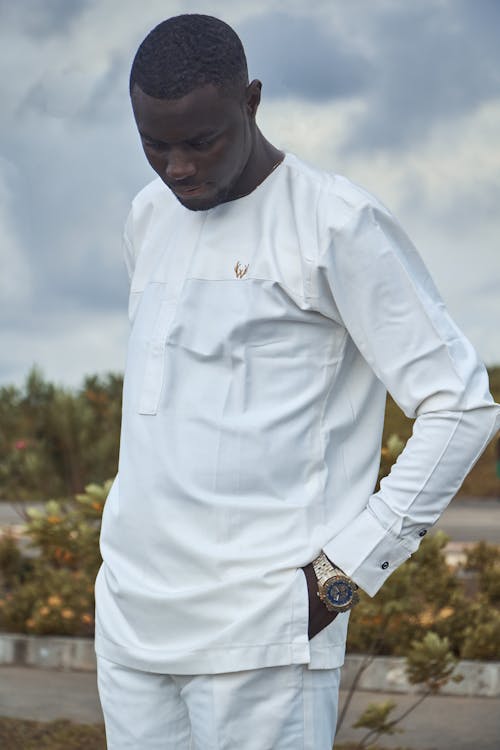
column 240, row 270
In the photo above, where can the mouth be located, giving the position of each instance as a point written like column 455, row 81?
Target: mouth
column 188, row 191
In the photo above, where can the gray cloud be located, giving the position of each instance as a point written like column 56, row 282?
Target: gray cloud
column 296, row 55
column 430, row 61
column 78, row 161
column 414, row 64
column 42, row 18
column 109, row 95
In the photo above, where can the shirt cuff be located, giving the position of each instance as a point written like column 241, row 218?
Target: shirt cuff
column 368, row 552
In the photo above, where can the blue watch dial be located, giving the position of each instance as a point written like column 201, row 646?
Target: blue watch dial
column 339, row 592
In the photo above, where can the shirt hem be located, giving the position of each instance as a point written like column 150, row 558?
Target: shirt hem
column 217, row 660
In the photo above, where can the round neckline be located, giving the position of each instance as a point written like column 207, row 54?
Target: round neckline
column 257, row 189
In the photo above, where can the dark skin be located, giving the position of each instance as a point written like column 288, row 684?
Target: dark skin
column 319, row 616
column 206, row 146
column 208, row 150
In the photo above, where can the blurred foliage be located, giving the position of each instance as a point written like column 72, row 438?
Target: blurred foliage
column 482, row 634
column 389, row 453
column 430, row 662
column 484, row 560
column 11, row 560
column 51, row 590
column 425, row 593
column 376, row 718
column 53, row 441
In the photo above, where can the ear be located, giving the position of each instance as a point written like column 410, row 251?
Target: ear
column 252, row 97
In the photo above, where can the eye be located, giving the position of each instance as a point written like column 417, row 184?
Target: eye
column 202, row 144
column 153, row 145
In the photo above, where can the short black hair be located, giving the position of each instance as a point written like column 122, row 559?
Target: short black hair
column 188, row 51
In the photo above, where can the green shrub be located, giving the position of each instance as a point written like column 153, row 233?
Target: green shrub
column 482, row 635
column 422, row 594
column 54, row 441
column 57, row 597
column 11, row 561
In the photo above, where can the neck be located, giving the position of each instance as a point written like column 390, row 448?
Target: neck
column 263, row 159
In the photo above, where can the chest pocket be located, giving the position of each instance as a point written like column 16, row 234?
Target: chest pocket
column 155, row 362
column 148, row 340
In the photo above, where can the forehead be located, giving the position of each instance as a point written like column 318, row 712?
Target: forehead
column 203, row 109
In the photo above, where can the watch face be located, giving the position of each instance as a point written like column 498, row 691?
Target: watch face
column 339, row 592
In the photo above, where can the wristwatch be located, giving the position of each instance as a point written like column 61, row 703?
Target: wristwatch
column 336, row 590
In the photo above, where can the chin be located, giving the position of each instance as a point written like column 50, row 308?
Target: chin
column 204, row 202
column 197, row 205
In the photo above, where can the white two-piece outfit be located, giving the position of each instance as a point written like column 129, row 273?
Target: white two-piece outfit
column 265, row 332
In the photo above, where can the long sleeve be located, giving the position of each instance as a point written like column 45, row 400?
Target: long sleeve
column 395, row 317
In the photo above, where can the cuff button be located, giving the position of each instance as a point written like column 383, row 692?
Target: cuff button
column 423, row 532
column 384, row 565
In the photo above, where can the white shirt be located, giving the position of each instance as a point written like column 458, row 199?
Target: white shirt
column 265, row 332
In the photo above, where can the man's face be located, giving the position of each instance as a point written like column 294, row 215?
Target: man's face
column 199, row 145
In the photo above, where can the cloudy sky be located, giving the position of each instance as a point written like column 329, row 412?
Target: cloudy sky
column 401, row 97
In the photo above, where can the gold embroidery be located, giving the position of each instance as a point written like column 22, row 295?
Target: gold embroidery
column 240, row 270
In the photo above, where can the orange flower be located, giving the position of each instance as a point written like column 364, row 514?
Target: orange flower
column 53, row 519
column 44, row 611
column 67, row 614
column 62, row 554
column 54, row 600
column 87, row 619
column 30, row 623
column 426, row 617
column 446, row 612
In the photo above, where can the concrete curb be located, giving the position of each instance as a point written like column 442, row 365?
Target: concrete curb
column 384, row 674
column 47, row 652
column 387, row 674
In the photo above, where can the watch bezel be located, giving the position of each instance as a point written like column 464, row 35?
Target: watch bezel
column 338, row 578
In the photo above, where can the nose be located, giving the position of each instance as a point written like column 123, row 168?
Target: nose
column 180, row 166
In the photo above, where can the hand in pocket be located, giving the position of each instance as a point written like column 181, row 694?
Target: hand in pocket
column 319, row 616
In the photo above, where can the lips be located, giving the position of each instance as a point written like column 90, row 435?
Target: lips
column 188, row 191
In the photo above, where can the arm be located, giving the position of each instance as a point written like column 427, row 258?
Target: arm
column 381, row 291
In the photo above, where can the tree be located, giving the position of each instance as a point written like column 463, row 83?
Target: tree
column 54, row 441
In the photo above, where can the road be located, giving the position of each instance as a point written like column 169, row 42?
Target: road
column 472, row 521
column 468, row 520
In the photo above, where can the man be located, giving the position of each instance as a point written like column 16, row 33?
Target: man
column 272, row 304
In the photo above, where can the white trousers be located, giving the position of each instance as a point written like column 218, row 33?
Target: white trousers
column 276, row 708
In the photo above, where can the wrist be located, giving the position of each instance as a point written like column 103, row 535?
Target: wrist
column 334, row 588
